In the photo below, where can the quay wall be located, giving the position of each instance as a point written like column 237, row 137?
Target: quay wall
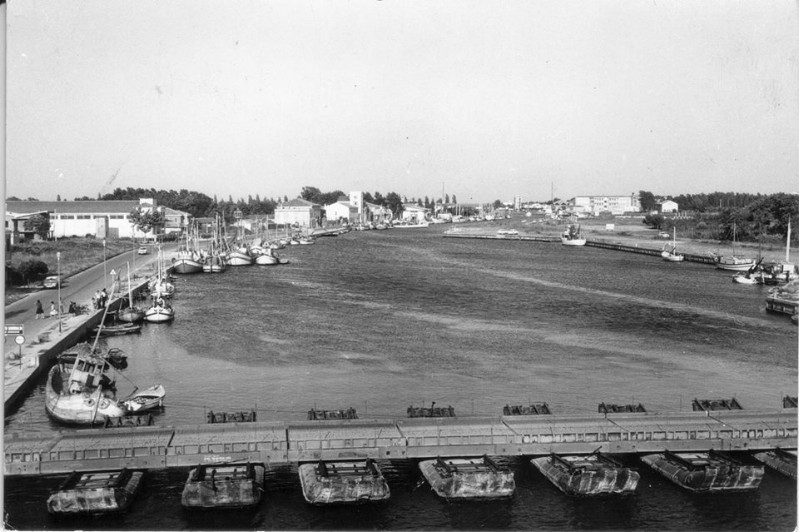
column 589, row 243
column 282, row 443
column 39, row 364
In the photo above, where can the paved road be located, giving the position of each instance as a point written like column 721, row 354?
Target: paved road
column 80, row 288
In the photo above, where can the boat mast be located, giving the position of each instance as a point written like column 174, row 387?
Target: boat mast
column 788, row 243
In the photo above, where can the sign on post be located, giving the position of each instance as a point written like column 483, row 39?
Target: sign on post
column 14, row 330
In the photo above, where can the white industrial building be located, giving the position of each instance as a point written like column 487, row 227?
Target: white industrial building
column 612, row 204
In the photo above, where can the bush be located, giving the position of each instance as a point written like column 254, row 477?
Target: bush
column 32, row 270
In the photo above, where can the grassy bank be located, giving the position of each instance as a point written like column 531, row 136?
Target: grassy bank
column 77, row 255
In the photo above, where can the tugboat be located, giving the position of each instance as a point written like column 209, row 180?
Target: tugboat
column 343, row 482
column 587, row 476
column 224, row 486
column 710, row 471
column 468, row 478
column 95, row 493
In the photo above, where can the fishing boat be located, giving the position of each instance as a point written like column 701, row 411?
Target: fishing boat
column 130, row 314
column 95, row 492
column 572, row 236
column 224, row 486
column 267, row 257
column 144, row 400
column 238, row 257
column 733, row 262
column 188, row 259
column 587, row 476
column 468, row 478
column 784, row 271
column 669, row 252
column 214, row 263
column 159, row 312
column 710, row 471
column 117, row 329
column 349, row 482
column 81, row 392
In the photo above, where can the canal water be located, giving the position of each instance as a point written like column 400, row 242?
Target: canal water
column 381, row 320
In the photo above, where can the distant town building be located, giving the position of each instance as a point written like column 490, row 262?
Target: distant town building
column 300, row 212
column 101, row 218
column 613, row 204
column 412, row 213
column 341, row 210
column 668, row 206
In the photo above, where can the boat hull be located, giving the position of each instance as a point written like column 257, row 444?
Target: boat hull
column 130, row 315
column 159, row 315
column 572, row 241
column 714, row 477
column 150, row 399
column 471, row 479
column 347, row 483
column 224, row 486
column 186, row 266
column 93, row 493
column 236, row 258
column 595, row 479
column 77, row 408
column 672, row 257
column 734, row 264
column 266, row 260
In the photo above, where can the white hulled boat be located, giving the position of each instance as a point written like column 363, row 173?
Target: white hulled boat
column 160, row 311
column 733, row 262
column 572, row 236
column 669, row 253
column 82, row 393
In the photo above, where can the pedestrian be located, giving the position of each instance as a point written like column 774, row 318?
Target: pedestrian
column 104, row 296
column 39, row 310
column 53, row 310
column 96, row 299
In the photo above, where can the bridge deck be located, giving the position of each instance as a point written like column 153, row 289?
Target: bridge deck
column 153, row 447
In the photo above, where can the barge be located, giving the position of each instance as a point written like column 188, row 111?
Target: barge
column 224, row 486
column 709, row 471
column 587, row 476
column 343, row 482
column 779, row 460
column 95, row 493
column 468, row 478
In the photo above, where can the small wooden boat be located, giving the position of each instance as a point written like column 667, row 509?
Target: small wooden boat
column 117, row 330
column 587, row 476
column 97, row 492
column 143, row 400
column 705, row 471
column 343, row 482
column 224, row 486
column 468, row 478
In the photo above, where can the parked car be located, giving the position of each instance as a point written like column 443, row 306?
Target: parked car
column 143, row 250
column 51, row 281
column 663, row 234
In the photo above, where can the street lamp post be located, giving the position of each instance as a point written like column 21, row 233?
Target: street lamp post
column 58, row 271
column 105, row 281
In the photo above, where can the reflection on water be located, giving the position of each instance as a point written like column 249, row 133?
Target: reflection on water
column 382, row 320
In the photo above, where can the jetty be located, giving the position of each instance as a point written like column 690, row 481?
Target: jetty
column 283, row 443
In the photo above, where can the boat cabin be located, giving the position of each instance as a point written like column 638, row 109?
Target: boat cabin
column 88, row 373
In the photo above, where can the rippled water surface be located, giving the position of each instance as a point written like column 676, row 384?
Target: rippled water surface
column 382, row 320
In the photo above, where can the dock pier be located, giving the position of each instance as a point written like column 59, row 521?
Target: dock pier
column 282, row 443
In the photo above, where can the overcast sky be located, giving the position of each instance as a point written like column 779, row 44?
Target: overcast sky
column 481, row 99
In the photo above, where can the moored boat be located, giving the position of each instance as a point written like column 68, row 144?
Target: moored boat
column 587, row 476
column 238, row 257
column 187, row 262
column 710, row 471
column 95, row 492
column 572, row 236
column 669, row 252
column 341, row 482
column 780, row 460
column 117, row 330
column 144, row 400
column 81, row 392
column 468, row 478
column 733, row 262
column 224, row 486
column 159, row 312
